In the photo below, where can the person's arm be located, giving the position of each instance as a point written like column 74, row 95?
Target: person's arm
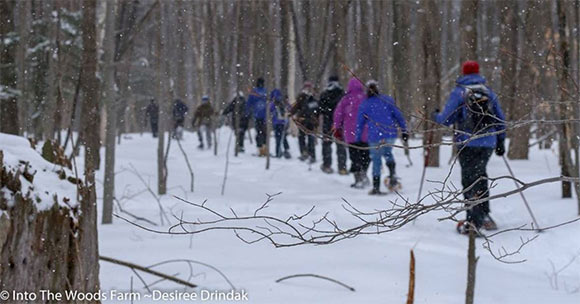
column 452, row 108
column 338, row 118
column 500, row 117
column 399, row 118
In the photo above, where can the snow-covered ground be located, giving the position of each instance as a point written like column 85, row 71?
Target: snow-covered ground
column 377, row 266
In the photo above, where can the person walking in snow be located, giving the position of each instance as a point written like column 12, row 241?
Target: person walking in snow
column 328, row 101
column 152, row 112
column 278, row 109
column 239, row 118
column 305, row 110
column 383, row 118
column 179, row 112
column 203, row 121
column 475, row 109
column 256, row 105
column 344, row 129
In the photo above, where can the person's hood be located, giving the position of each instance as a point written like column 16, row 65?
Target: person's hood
column 333, row 85
column 260, row 91
column 355, row 86
column 470, row 79
column 276, row 95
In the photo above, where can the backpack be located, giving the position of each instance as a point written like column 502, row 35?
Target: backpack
column 478, row 112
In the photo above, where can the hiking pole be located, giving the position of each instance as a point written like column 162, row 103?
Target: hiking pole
column 426, row 162
column 522, row 194
column 406, row 149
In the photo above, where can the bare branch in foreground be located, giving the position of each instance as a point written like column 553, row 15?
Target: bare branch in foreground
column 315, row 276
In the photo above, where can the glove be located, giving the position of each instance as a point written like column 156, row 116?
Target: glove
column 500, row 148
column 405, row 136
column 337, row 133
column 434, row 115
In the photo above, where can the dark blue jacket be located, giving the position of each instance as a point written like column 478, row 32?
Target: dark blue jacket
column 455, row 112
column 277, row 108
column 382, row 117
column 256, row 103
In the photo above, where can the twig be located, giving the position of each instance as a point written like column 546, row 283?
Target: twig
column 411, row 294
column 316, row 276
column 188, row 165
column 227, row 163
column 147, row 270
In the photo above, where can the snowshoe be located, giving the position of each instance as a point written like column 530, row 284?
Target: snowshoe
column 326, row 170
column 303, row 157
column 311, row 160
column 392, row 183
column 488, row 223
column 365, row 180
column 342, row 172
column 375, row 191
column 287, row 155
column 200, row 146
column 358, row 181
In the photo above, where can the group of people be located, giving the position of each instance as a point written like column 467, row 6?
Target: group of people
column 365, row 123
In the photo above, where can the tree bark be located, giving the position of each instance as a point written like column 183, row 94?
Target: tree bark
column 110, row 102
column 8, row 105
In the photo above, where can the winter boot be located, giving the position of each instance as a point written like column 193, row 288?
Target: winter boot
column 365, row 179
column 376, row 186
column 358, row 183
column 326, row 169
column 287, row 155
column 263, row 151
column 200, row 146
column 342, row 172
column 303, row 157
column 392, row 181
column 311, row 160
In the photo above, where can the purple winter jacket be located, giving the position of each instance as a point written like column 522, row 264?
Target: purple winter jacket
column 345, row 115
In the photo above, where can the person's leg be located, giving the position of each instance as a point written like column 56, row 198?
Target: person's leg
column 375, row 154
column 472, row 168
column 278, row 129
column 154, row 127
column 285, row 138
column 341, row 157
column 389, row 158
column 208, row 131
column 326, row 143
column 259, row 132
column 302, row 142
column 311, row 147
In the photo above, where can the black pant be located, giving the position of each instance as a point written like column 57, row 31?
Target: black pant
column 327, row 147
column 154, row 127
column 242, row 128
column 359, row 158
column 306, row 144
column 280, row 134
column 260, row 125
column 473, row 161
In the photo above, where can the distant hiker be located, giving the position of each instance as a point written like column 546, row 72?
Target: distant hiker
column 152, row 112
column 383, row 118
column 344, row 125
column 328, row 101
column 179, row 112
column 256, row 106
column 203, row 121
column 278, row 109
column 475, row 109
column 239, row 118
column 305, row 109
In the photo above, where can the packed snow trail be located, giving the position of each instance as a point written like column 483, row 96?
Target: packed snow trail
column 376, row 265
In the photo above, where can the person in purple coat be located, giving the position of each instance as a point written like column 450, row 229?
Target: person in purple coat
column 344, row 126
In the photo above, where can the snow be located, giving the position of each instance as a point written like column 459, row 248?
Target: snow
column 375, row 265
column 46, row 183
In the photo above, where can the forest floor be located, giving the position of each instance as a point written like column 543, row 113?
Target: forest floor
column 377, row 266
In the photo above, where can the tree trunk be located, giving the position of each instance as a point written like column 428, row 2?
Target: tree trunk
column 8, row 106
column 88, row 278
column 468, row 27
column 110, row 102
column 164, row 105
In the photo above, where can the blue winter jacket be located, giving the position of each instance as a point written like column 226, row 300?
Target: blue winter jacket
column 256, row 103
column 455, row 112
column 277, row 108
column 382, row 117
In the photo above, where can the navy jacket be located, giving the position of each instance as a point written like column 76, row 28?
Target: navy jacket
column 256, row 103
column 455, row 112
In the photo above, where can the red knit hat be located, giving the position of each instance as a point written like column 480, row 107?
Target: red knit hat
column 470, row 67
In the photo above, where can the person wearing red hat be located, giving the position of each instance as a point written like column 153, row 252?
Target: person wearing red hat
column 475, row 109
